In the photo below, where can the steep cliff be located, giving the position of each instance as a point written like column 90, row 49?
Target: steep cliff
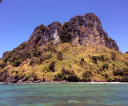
column 80, row 30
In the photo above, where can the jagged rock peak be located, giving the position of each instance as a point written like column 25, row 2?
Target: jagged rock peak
column 80, row 30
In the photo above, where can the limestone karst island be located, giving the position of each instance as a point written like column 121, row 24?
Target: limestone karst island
column 76, row 51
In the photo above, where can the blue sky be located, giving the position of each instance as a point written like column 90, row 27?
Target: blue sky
column 18, row 18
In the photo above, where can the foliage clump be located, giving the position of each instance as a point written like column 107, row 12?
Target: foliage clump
column 105, row 66
column 52, row 66
column 125, row 71
column 86, row 76
column 109, row 79
column 94, row 58
column 82, row 59
column 66, row 34
column 121, row 72
column 118, row 72
column 105, row 75
column 113, row 55
column 34, row 60
column 67, row 75
column 2, row 64
column 82, row 62
column 17, row 62
column 60, row 55
column 102, row 58
column 126, row 63
column 124, row 79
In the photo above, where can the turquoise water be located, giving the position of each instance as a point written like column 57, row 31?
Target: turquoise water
column 64, row 95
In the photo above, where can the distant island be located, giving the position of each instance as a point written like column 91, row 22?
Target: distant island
column 76, row 51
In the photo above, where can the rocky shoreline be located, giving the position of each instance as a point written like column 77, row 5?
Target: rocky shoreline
column 16, row 80
column 66, row 82
column 24, row 81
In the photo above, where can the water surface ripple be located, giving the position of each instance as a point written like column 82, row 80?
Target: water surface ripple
column 64, row 95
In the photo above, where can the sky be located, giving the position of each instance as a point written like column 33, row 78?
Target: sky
column 18, row 18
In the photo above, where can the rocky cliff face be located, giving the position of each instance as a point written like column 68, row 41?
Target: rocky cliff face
column 80, row 30
column 83, row 30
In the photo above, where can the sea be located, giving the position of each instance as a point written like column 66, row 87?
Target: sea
column 69, row 94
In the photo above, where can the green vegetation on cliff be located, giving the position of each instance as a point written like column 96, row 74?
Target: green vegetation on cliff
column 68, row 62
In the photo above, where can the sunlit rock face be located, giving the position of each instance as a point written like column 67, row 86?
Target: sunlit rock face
column 54, row 32
column 83, row 30
column 46, row 34
column 87, row 30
